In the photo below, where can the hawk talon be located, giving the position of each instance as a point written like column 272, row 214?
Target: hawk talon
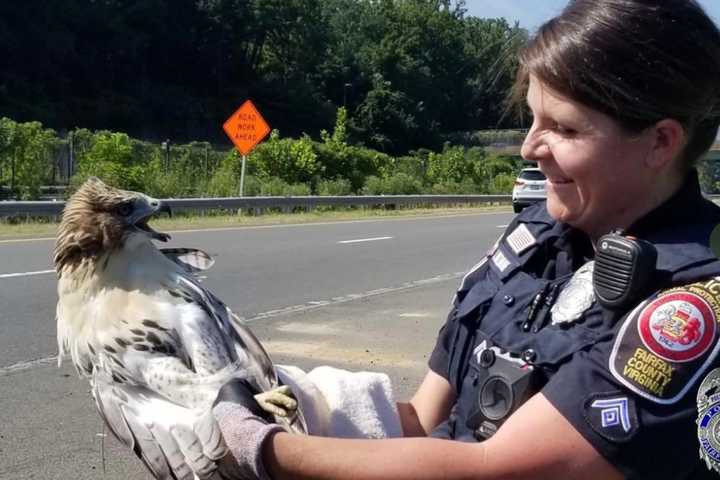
column 279, row 401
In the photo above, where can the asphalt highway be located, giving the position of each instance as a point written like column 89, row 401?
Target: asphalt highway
column 360, row 295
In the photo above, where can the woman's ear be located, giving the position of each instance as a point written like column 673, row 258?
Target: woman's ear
column 669, row 140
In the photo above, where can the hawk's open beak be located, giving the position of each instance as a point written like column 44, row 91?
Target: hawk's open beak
column 164, row 207
column 151, row 208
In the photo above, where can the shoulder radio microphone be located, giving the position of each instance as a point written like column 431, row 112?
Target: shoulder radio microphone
column 624, row 267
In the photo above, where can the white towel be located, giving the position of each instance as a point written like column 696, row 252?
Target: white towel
column 338, row 403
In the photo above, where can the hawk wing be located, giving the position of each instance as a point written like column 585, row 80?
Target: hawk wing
column 172, row 441
column 191, row 260
column 251, row 355
column 155, row 381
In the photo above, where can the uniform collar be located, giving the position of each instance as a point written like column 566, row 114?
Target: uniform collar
column 686, row 206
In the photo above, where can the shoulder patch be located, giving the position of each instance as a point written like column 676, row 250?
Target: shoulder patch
column 668, row 341
column 520, row 239
column 500, row 260
column 612, row 415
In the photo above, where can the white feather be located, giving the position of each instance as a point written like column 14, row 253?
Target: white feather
column 156, row 347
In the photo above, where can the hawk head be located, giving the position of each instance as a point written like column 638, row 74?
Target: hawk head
column 99, row 218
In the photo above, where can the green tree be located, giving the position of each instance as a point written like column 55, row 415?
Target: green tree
column 110, row 158
column 225, row 181
column 291, row 160
column 491, row 47
column 7, row 138
column 25, row 156
column 451, row 165
column 354, row 163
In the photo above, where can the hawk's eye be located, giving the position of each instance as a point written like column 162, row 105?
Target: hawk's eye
column 125, row 209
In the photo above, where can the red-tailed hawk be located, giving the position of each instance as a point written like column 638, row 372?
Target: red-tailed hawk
column 154, row 343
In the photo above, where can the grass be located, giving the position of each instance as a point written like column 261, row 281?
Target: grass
column 44, row 228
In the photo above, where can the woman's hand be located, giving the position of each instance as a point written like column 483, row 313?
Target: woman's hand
column 429, row 407
column 245, row 428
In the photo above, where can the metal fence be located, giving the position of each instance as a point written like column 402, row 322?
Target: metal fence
column 259, row 204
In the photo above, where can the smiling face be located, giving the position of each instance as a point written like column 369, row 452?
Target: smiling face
column 599, row 177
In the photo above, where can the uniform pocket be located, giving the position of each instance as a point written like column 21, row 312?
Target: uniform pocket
column 479, row 294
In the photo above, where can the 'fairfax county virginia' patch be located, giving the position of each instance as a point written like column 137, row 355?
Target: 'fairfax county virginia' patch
column 668, row 341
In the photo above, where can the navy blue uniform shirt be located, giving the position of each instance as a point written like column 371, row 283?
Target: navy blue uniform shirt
column 626, row 380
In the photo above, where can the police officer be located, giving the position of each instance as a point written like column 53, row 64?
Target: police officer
column 583, row 345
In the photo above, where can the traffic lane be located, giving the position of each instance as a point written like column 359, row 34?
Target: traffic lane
column 255, row 272
column 250, row 244
column 51, row 430
column 293, row 260
column 27, row 319
column 266, row 269
column 25, row 256
column 35, row 255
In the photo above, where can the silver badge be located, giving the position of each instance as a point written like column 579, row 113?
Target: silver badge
column 576, row 297
column 708, row 421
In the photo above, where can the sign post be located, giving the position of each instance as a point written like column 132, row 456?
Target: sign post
column 246, row 128
column 242, row 175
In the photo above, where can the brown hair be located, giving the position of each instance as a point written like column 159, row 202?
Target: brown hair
column 638, row 61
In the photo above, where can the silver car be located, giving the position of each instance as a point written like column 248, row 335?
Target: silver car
column 529, row 188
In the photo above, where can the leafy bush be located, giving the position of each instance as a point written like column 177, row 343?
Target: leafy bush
column 285, row 158
column 496, row 174
column 277, row 187
column 27, row 148
column 450, row 165
column 398, row 184
column 253, row 186
column 414, row 165
column 339, row 159
column 709, row 173
column 337, row 187
column 110, row 157
column 502, row 184
column 225, row 182
column 465, row 187
column 280, row 166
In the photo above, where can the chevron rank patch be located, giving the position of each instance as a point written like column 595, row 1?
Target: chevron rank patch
column 520, row 239
column 612, row 415
column 668, row 342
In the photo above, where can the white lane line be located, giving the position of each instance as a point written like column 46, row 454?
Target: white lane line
column 20, row 366
column 290, row 225
column 312, row 305
column 20, row 240
column 360, row 240
column 501, row 226
column 414, row 315
column 25, row 274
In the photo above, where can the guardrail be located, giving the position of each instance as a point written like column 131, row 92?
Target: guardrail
column 257, row 204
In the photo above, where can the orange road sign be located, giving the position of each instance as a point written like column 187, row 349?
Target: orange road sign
column 246, row 127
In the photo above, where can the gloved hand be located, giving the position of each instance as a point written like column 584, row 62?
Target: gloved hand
column 245, row 428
